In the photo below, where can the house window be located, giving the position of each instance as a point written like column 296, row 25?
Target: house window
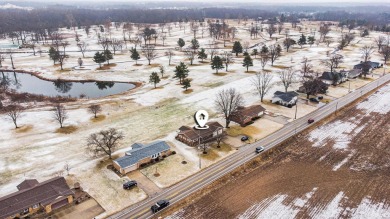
column 154, row 156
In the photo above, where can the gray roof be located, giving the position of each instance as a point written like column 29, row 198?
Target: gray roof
column 140, row 152
column 286, row 96
column 372, row 65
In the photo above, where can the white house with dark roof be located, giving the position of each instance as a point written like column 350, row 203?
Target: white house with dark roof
column 141, row 154
column 285, row 98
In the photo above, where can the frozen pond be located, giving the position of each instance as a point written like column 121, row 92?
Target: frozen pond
column 30, row 84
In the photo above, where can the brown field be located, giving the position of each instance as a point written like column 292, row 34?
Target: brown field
column 301, row 179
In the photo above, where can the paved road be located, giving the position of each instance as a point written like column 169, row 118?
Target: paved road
column 243, row 155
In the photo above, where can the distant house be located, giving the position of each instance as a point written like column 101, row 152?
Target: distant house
column 34, row 196
column 354, row 73
column 141, row 154
column 193, row 137
column 285, row 98
column 246, row 115
column 371, row 65
column 334, row 77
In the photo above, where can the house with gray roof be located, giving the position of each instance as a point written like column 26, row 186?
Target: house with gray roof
column 141, row 154
column 288, row 99
column 334, row 78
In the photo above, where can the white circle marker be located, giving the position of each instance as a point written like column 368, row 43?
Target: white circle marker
column 201, row 117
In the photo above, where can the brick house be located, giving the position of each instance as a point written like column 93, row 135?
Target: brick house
column 246, row 115
column 34, row 197
column 193, row 137
column 141, row 154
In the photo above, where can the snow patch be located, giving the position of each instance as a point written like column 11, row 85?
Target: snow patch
column 378, row 102
column 344, row 161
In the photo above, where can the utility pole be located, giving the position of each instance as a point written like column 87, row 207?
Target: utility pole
column 335, row 112
column 349, row 86
column 296, row 109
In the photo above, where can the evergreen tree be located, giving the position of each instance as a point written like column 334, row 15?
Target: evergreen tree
column 181, row 72
column 302, row 40
column 181, row 43
column 194, row 44
column 54, row 54
column 154, row 78
column 134, row 54
column 186, row 83
column 247, row 62
column 264, row 50
column 237, row 48
column 99, row 58
column 311, row 40
column 255, row 52
column 202, row 54
column 108, row 55
column 217, row 63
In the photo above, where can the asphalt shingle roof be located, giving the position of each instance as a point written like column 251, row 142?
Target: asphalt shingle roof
column 140, row 152
column 286, row 96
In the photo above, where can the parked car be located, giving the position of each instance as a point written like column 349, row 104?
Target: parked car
column 310, row 121
column 130, row 184
column 313, row 99
column 159, row 205
column 244, row 138
column 259, row 149
column 320, row 97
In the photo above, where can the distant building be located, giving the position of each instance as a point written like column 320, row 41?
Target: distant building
column 141, row 154
column 246, row 115
column 288, row 99
column 371, row 65
column 354, row 73
column 334, row 77
column 193, row 137
column 34, row 197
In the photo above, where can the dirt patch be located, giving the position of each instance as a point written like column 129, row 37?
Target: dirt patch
column 24, row 129
column 280, row 66
column 107, row 66
column 154, row 65
column 98, row 118
column 250, row 72
column 67, row 129
column 220, row 74
column 158, row 88
column 188, row 91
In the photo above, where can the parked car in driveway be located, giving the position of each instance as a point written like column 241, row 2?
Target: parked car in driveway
column 315, row 100
column 310, row 121
column 159, row 205
column 129, row 184
column 244, row 138
column 259, row 149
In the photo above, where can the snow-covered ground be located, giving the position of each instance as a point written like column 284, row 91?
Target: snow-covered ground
column 144, row 114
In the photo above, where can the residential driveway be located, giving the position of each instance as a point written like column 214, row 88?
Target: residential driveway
column 87, row 209
column 144, row 183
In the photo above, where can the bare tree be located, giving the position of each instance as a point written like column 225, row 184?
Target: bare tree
column 333, row 62
column 83, row 47
column 306, row 66
column 385, row 52
column 220, row 138
column 95, row 109
column 380, row 41
column 227, row 102
column 366, row 52
column 324, row 30
column 2, row 58
column 104, row 142
column 271, row 29
column 64, row 45
column 274, row 53
column 263, row 60
column 169, row 53
column 213, row 51
column 227, row 59
column 262, row 83
column 61, row 59
column 190, row 54
column 14, row 112
column 287, row 77
column 67, row 168
column 149, row 52
column 245, row 45
column 104, row 42
column 60, row 114
column 116, row 45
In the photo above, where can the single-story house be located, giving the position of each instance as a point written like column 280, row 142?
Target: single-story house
column 302, row 89
column 246, row 115
column 334, row 77
column 141, row 154
column 354, row 73
column 285, row 98
column 34, row 196
column 372, row 65
column 193, row 137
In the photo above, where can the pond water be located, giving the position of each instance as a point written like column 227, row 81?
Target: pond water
column 30, row 84
column 9, row 46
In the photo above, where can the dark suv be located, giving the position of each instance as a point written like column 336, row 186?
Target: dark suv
column 130, row 184
column 159, row 205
